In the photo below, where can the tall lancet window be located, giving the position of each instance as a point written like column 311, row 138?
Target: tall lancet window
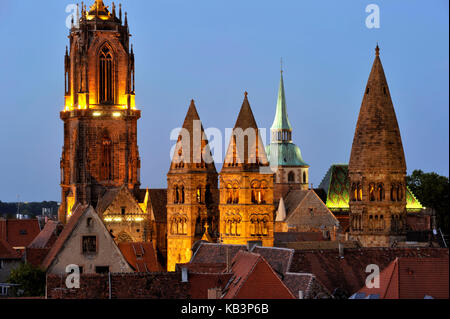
column 106, row 83
column 106, row 160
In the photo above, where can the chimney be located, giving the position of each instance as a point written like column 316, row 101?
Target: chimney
column 251, row 244
column 300, row 294
column 341, row 250
column 214, row 293
column 184, row 274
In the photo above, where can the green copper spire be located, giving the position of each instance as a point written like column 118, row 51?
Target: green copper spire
column 281, row 121
column 281, row 151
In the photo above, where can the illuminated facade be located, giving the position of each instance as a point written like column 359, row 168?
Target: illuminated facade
column 192, row 193
column 100, row 149
column 377, row 168
column 246, row 185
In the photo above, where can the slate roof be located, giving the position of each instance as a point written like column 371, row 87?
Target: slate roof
column 158, row 202
column 19, row 232
column 206, row 252
column 290, row 237
column 412, row 278
column 141, row 256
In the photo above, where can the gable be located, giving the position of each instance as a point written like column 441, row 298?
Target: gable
column 123, row 199
column 263, row 283
column 312, row 212
column 70, row 247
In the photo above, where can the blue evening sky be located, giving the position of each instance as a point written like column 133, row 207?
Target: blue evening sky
column 214, row 50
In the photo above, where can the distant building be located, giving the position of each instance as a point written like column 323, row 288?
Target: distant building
column 19, row 233
column 292, row 173
column 304, row 211
column 9, row 260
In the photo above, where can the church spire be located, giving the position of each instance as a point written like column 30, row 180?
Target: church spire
column 377, row 142
column 281, row 121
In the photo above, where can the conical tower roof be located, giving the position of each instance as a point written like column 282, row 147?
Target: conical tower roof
column 246, row 149
column 281, row 121
column 192, row 152
column 377, row 144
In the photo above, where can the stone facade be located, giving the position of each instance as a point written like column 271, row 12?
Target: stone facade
column 246, row 186
column 100, row 119
column 377, row 168
column 192, row 192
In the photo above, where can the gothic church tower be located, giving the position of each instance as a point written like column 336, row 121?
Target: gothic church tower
column 100, row 118
column 377, row 168
column 192, row 193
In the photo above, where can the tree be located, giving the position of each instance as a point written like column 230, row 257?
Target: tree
column 30, row 278
column 432, row 190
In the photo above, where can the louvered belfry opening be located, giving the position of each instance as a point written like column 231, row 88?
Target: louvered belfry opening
column 106, row 163
column 106, row 83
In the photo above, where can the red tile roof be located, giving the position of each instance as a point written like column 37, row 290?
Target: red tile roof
column 141, row 256
column 48, row 235
column 7, row 252
column 348, row 273
column 19, row 232
column 201, row 282
column 253, row 278
column 413, row 278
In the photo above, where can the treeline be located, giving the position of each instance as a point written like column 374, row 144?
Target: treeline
column 9, row 210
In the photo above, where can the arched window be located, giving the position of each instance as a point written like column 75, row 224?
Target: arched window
column 354, row 192
column 304, row 178
column 393, row 193
column 370, row 222
column 235, row 194
column 208, row 195
column 291, row 177
column 176, row 195
column 229, row 194
column 380, row 192
column 199, row 194
column 371, row 192
column 359, row 192
column 106, row 161
column 106, row 84
column 399, row 192
column 182, row 194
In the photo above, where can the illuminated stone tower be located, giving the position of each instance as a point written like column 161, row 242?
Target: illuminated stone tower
column 100, row 149
column 284, row 156
column 246, row 185
column 377, row 168
column 192, row 193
